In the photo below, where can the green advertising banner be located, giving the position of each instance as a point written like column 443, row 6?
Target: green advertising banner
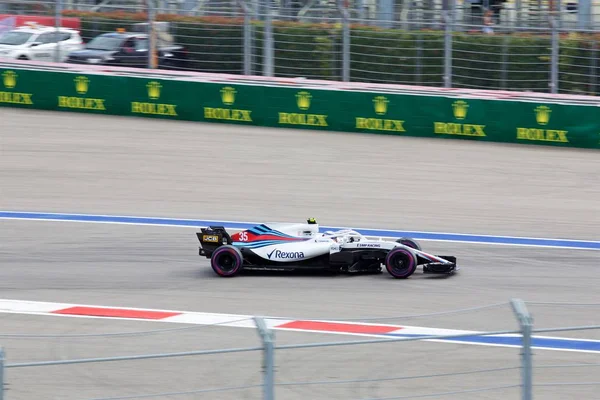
column 319, row 109
column 18, row 88
column 456, row 118
column 197, row 101
column 299, row 108
column 549, row 124
column 63, row 91
column 236, row 104
column 376, row 113
column 155, row 98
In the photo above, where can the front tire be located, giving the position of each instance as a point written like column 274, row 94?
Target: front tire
column 400, row 263
column 227, row 261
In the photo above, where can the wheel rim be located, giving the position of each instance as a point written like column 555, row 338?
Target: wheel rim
column 400, row 263
column 226, row 262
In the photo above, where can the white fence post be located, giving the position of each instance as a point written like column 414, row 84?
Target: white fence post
column 57, row 24
column 268, row 338
column 247, row 39
column 1, row 373
column 448, row 18
column 593, row 66
column 345, row 44
column 268, row 40
column 554, row 60
column 151, row 35
column 585, row 15
column 526, row 323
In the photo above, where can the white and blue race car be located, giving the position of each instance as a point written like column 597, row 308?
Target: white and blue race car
column 292, row 246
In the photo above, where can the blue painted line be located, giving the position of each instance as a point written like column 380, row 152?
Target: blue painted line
column 536, row 342
column 437, row 236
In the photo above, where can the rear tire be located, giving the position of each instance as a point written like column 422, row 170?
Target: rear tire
column 400, row 263
column 413, row 244
column 227, row 261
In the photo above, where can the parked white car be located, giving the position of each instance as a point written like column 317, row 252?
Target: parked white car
column 39, row 43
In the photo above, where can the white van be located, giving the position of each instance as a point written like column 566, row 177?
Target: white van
column 39, row 43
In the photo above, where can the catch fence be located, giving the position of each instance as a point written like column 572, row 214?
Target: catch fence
column 447, row 45
column 379, row 368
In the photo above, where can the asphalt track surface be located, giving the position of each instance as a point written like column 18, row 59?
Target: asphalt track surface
column 107, row 165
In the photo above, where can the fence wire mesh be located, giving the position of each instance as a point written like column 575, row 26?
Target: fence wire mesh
column 579, row 64
column 402, row 370
column 312, row 52
column 566, row 377
column 397, row 57
column 90, row 360
column 483, row 62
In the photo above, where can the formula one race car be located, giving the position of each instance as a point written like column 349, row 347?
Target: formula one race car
column 301, row 246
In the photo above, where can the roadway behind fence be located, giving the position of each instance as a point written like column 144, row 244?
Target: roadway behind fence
column 355, row 368
column 517, row 49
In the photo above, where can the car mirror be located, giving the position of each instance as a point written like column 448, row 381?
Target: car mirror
column 35, row 44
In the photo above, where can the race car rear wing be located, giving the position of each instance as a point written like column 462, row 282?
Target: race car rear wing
column 214, row 235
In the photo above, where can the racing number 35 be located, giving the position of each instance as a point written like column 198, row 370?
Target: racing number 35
column 243, row 236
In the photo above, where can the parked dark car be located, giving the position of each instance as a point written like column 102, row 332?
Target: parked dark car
column 128, row 49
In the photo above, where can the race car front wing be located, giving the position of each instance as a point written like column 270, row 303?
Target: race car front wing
column 441, row 268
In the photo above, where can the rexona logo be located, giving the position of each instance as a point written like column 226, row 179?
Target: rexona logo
column 227, row 113
column 8, row 96
column 303, row 100
column 542, row 117
column 460, row 109
column 151, row 108
column 285, row 255
column 82, row 85
column 380, row 104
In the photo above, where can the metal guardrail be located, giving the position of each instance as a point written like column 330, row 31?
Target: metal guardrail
column 548, row 98
column 269, row 350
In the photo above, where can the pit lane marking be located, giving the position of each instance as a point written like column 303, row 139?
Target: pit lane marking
column 369, row 232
